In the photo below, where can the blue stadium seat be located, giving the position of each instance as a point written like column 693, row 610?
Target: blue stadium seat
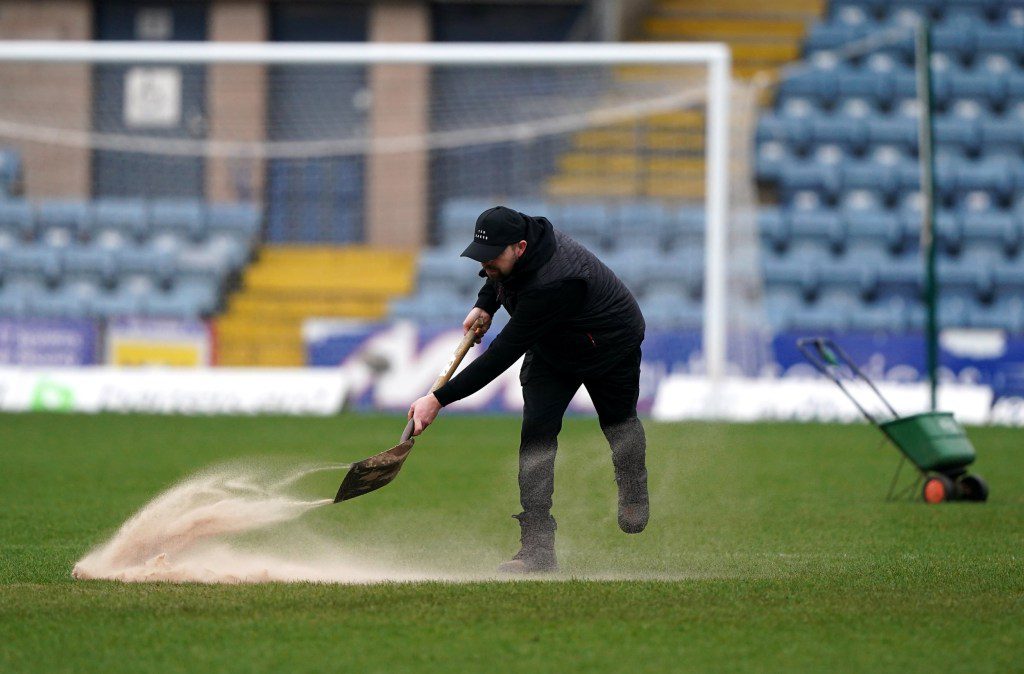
column 445, row 307
column 75, row 217
column 1001, row 135
column 204, row 294
column 183, row 217
column 795, row 132
column 15, row 296
column 90, row 263
column 850, row 133
column 954, row 309
column 901, row 276
column 831, row 312
column 1009, row 276
column 773, row 225
column 797, row 176
column 444, row 264
column 886, row 316
column 186, row 299
column 681, row 269
column 831, row 36
column 882, row 178
column 116, row 303
column 1005, row 313
column 796, row 272
column 33, row 262
column 992, row 230
column 665, row 309
column 233, row 249
column 883, row 228
column 127, row 217
column 821, row 227
column 17, row 218
column 958, row 133
column 588, row 223
column 818, row 84
column 780, row 306
column 458, row 216
column 856, row 273
column 970, row 274
column 634, row 266
column 203, row 264
column 640, row 224
column 158, row 265
column 240, row 220
column 686, row 227
column 1000, row 39
column 60, row 302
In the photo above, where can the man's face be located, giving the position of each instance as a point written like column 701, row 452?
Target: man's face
column 500, row 267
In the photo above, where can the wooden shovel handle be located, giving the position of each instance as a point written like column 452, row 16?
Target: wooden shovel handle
column 460, row 352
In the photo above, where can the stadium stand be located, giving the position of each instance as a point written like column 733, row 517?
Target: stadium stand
column 842, row 137
column 112, row 257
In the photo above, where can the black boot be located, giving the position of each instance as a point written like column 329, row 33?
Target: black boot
column 634, row 505
column 537, row 552
column 629, row 450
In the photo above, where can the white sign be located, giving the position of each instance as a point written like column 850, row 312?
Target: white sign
column 682, row 397
column 165, row 391
column 152, row 97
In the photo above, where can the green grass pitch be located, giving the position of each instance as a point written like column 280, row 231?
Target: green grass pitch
column 771, row 548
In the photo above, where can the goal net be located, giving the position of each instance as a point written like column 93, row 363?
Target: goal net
column 641, row 152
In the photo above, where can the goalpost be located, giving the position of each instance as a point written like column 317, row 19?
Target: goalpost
column 384, row 143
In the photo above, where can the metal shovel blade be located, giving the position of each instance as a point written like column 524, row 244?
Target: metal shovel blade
column 373, row 473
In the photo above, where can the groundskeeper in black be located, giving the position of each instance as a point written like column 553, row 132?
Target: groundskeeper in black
column 577, row 325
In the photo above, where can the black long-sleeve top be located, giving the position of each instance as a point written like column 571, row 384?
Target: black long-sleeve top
column 537, row 312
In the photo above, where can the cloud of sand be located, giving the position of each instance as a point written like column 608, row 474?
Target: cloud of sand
column 186, row 534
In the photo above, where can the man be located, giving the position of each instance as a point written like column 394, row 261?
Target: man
column 578, row 325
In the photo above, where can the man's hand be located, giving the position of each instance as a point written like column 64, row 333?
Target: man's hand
column 423, row 412
column 476, row 313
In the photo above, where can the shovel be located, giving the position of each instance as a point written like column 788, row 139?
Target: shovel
column 378, row 470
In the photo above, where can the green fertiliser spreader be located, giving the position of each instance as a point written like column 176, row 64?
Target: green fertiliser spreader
column 933, row 441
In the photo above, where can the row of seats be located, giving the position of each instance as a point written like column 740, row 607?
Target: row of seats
column 646, row 224
column 868, row 273
column 964, row 42
column 991, row 11
column 1001, row 177
column 940, row 13
column 799, row 135
column 217, row 259
column 834, row 231
column 664, row 307
column 829, row 83
column 839, row 311
column 134, row 219
column 134, row 296
column 641, row 268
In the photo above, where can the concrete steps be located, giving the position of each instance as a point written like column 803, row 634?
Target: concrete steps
column 289, row 284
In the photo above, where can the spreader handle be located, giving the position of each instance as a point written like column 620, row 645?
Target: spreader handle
column 460, row 352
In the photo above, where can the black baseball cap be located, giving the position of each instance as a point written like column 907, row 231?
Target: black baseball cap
column 495, row 229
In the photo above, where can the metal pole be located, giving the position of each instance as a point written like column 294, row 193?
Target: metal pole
column 716, row 204
column 927, row 159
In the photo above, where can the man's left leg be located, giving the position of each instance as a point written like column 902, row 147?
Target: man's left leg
column 615, row 395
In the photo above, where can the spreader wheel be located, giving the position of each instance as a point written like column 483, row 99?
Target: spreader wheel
column 937, row 488
column 973, row 488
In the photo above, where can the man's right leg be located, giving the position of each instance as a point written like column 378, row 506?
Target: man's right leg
column 546, row 395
